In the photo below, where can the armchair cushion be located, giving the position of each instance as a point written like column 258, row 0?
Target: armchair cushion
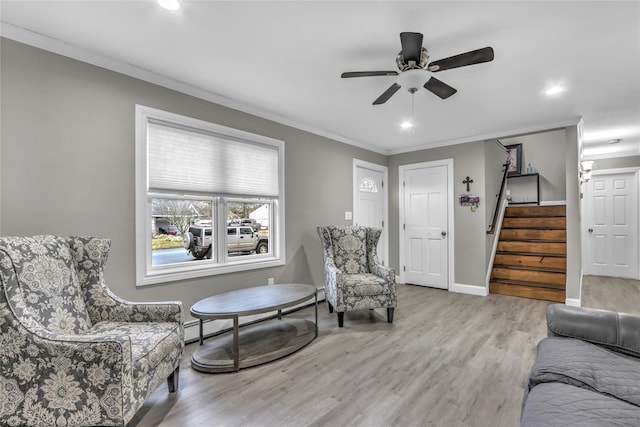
column 366, row 284
column 48, row 283
column 350, row 249
column 150, row 342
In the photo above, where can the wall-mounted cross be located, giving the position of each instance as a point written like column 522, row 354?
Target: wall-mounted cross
column 467, row 181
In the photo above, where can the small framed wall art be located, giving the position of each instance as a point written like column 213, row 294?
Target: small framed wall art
column 514, row 159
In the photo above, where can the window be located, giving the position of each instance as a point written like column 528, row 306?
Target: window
column 194, row 179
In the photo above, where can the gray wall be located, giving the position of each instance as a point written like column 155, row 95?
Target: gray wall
column 67, row 167
column 617, row 163
column 470, row 227
column 574, row 221
column 545, row 152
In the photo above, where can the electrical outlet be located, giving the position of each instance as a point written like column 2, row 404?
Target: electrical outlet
column 270, row 281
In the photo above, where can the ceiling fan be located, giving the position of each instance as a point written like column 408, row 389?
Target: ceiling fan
column 415, row 68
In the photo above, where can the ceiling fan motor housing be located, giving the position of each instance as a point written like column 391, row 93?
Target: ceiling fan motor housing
column 404, row 66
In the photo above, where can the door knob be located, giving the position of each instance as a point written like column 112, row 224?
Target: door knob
column 590, row 230
column 444, row 233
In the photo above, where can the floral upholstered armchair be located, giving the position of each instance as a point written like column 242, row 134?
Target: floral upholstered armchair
column 354, row 278
column 71, row 352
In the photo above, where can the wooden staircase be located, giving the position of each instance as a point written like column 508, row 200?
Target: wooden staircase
column 531, row 258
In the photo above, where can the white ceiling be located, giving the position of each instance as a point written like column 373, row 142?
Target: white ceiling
column 283, row 60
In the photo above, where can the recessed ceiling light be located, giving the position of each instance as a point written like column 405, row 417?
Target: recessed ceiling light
column 613, row 141
column 406, row 124
column 169, row 4
column 554, row 90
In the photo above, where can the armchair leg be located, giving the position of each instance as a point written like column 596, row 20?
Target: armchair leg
column 330, row 307
column 173, row 380
column 390, row 314
column 340, row 319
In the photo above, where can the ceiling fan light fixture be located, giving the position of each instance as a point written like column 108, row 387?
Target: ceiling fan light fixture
column 413, row 79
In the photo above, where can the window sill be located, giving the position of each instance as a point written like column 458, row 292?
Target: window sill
column 176, row 273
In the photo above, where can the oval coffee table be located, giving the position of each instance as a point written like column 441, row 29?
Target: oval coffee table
column 259, row 342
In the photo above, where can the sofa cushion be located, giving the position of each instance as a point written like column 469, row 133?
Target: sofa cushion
column 558, row 404
column 150, row 342
column 43, row 283
column 582, row 364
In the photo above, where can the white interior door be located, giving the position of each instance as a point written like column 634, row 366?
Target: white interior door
column 611, row 238
column 425, row 216
column 369, row 201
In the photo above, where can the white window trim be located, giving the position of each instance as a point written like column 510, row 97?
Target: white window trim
column 148, row 275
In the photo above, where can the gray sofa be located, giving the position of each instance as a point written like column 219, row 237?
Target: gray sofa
column 587, row 370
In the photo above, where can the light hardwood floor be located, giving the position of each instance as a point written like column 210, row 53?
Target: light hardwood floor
column 447, row 360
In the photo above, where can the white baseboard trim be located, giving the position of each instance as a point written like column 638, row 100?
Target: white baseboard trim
column 469, row 289
column 574, row 302
column 192, row 327
column 553, row 202
column 457, row 287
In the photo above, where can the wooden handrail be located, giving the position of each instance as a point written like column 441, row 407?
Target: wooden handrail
column 492, row 226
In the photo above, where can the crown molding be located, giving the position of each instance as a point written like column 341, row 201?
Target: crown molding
column 41, row 41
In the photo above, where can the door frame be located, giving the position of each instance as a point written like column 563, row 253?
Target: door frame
column 400, row 277
column 385, row 201
column 585, row 209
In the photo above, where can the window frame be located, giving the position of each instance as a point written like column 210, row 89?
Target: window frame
column 146, row 273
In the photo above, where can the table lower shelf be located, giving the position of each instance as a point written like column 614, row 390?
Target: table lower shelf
column 258, row 343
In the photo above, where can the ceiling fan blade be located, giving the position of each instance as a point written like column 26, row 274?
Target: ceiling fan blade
column 411, row 47
column 469, row 58
column 387, row 94
column 439, row 88
column 368, row 74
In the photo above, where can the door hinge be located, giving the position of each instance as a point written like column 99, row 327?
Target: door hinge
column 382, row 224
column 404, row 226
column 382, row 184
column 404, row 268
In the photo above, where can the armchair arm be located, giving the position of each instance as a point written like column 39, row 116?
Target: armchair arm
column 104, row 305
column 386, row 273
column 617, row 331
column 93, row 371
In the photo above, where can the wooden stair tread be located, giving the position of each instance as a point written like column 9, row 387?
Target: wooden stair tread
column 529, row 284
column 535, row 211
column 547, row 294
column 532, row 261
column 534, row 224
column 531, row 268
column 538, row 254
column 534, row 240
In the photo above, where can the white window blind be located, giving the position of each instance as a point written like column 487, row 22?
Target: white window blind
column 187, row 160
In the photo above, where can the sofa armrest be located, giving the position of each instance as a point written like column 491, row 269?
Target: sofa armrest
column 617, row 331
